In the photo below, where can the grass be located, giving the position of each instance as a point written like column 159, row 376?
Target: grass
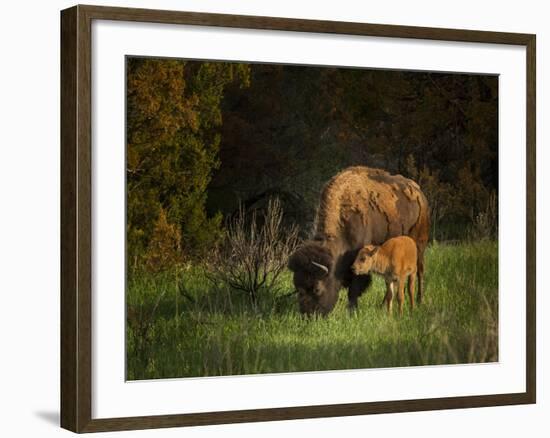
column 181, row 325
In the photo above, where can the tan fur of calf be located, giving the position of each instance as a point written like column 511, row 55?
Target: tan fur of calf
column 396, row 261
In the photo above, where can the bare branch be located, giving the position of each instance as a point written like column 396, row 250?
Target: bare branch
column 255, row 251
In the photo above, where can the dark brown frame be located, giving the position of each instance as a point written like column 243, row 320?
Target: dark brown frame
column 76, row 173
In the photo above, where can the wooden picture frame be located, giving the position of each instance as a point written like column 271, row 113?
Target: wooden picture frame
column 76, row 218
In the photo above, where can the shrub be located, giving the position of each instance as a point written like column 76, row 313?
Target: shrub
column 485, row 223
column 254, row 252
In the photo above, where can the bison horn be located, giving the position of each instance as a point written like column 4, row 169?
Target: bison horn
column 323, row 267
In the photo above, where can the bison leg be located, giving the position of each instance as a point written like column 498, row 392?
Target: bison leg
column 401, row 294
column 389, row 295
column 359, row 283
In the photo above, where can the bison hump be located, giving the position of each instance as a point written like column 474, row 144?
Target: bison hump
column 389, row 205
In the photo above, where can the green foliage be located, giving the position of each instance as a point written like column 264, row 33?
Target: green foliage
column 215, row 332
column 173, row 122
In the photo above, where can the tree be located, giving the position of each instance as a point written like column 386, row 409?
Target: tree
column 173, row 121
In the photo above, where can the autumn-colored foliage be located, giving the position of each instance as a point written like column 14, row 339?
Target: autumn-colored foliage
column 173, row 116
column 164, row 248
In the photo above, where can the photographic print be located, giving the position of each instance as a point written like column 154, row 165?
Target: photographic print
column 295, row 218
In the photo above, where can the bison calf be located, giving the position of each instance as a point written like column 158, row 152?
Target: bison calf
column 395, row 260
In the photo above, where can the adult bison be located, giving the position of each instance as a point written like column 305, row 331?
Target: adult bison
column 358, row 206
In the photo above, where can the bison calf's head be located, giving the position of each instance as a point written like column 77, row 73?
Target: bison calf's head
column 312, row 265
column 364, row 260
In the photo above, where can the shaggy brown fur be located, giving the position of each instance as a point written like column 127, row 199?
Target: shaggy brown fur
column 395, row 260
column 358, row 206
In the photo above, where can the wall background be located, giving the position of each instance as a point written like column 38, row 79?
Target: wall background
column 29, row 219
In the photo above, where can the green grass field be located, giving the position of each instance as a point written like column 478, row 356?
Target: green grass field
column 182, row 325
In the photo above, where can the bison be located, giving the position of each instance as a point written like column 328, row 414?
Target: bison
column 396, row 261
column 358, row 206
